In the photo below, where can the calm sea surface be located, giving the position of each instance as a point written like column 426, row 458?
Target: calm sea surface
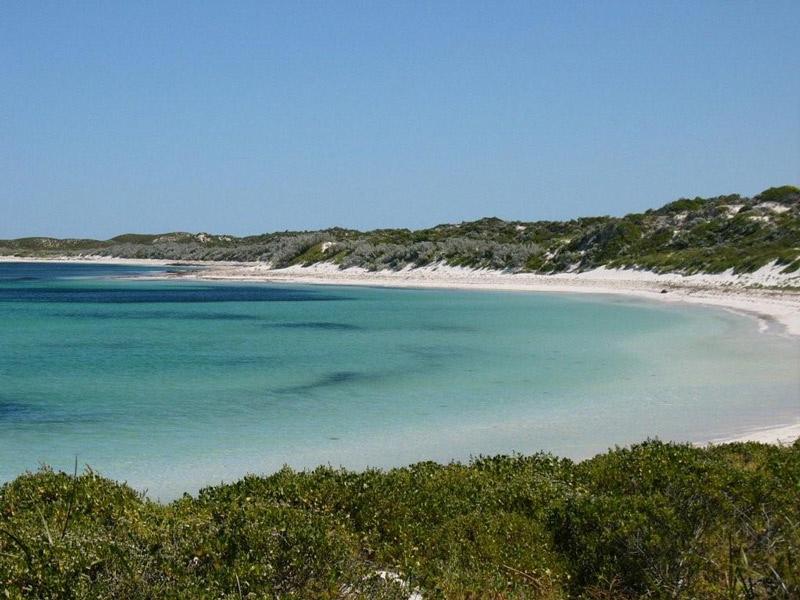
column 175, row 385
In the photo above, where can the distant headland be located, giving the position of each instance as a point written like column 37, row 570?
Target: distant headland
column 688, row 236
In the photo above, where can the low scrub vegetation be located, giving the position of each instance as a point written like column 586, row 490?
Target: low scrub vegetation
column 687, row 236
column 655, row 520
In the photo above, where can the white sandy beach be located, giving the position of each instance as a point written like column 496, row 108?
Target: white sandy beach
column 767, row 294
column 782, row 434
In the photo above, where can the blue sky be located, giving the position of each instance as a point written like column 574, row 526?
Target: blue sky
column 249, row 117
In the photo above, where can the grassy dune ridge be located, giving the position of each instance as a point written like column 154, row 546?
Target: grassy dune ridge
column 655, row 520
column 687, row 236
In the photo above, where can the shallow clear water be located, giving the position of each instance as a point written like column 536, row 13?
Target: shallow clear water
column 172, row 385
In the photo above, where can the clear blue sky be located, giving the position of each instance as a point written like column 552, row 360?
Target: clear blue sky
column 243, row 117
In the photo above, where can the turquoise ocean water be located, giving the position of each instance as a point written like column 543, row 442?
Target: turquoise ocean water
column 172, row 385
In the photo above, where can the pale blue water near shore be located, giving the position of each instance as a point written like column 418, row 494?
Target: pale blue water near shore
column 173, row 385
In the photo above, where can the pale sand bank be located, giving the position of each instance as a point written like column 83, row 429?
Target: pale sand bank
column 783, row 434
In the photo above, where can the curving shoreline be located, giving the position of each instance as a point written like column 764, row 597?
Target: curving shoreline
column 725, row 291
column 781, row 435
column 770, row 304
column 767, row 294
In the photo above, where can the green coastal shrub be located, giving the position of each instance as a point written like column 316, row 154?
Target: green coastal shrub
column 784, row 193
column 655, row 520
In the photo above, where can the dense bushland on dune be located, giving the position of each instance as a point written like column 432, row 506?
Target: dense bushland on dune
column 655, row 520
column 687, row 236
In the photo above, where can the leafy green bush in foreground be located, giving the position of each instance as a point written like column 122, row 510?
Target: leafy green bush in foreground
column 656, row 520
